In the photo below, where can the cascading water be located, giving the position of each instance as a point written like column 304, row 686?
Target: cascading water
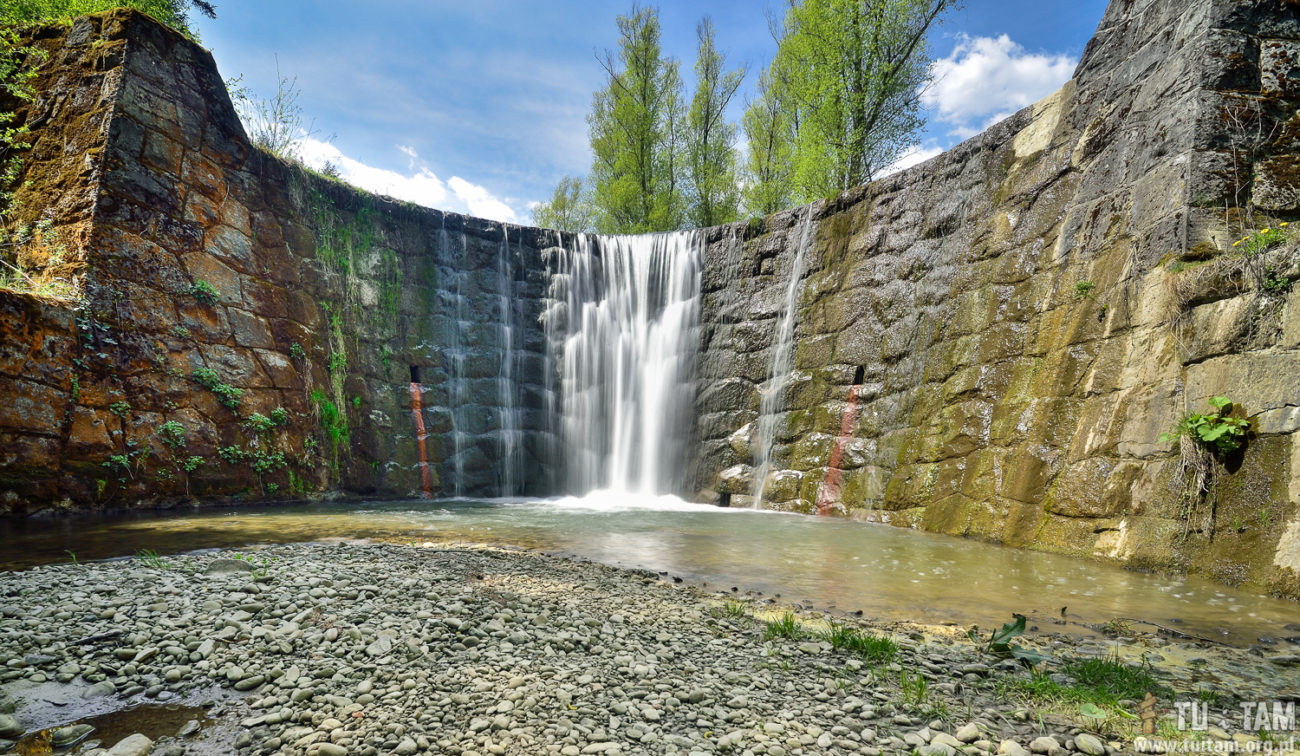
column 773, row 391
column 509, row 433
column 622, row 323
column 456, row 367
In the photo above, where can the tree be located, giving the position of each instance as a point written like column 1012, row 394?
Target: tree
column 713, row 192
column 850, row 72
column 173, row 13
column 568, row 210
column 635, row 129
column 770, row 130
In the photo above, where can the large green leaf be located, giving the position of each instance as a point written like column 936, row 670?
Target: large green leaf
column 1008, row 631
column 1028, row 656
column 1212, row 433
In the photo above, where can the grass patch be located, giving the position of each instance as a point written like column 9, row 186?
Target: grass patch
column 869, row 646
column 1111, row 679
column 1100, row 682
column 150, row 558
column 785, row 626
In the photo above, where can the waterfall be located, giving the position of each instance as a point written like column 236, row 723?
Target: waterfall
column 509, row 434
column 622, row 323
column 773, row 392
column 456, row 363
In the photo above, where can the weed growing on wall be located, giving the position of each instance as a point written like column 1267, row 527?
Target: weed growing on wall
column 331, row 420
column 172, row 435
column 1210, row 437
column 204, row 293
column 1216, row 431
column 228, row 395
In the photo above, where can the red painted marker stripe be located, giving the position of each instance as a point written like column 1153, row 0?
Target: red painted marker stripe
column 417, row 414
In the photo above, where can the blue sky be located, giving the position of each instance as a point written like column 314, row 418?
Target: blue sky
column 479, row 106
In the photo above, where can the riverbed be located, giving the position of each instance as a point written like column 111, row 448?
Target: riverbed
column 334, row 649
column 884, row 572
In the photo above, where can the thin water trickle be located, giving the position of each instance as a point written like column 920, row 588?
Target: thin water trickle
column 456, row 360
column 772, row 392
column 508, row 446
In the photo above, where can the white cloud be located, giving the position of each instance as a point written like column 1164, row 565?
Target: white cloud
column 986, row 79
column 912, row 156
column 421, row 185
column 480, row 201
column 410, row 153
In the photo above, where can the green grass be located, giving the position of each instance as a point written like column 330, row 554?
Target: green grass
column 1101, row 682
column 1112, row 679
column 786, row 626
column 150, row 558
column 869, row 646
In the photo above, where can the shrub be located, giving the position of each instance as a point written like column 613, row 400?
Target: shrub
column 336, row 427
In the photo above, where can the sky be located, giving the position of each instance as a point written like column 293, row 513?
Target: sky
column 479, row 106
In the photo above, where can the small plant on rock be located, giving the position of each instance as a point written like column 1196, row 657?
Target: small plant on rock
column 1214, row 435
column 172, row 434
column 228, row 395
column 204, row 292
column 261, row 564
column 1259, row 241
column 731, row 609
column 1216, row 431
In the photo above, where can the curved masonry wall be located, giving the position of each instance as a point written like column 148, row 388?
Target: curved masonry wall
column 991, row 399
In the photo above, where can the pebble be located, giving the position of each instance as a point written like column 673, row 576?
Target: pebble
column 1089, row 744
column 132, row 745
column 376, row 650
column 10, row 727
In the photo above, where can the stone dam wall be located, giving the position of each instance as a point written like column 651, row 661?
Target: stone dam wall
column 948, row 373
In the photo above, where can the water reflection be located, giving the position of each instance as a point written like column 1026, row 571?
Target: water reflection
column 885, row 572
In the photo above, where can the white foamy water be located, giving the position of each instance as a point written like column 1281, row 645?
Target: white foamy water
column 622, row 322
column 611, row 500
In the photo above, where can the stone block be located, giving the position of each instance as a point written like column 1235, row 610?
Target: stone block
column 1277, row 183
column 1279, row 65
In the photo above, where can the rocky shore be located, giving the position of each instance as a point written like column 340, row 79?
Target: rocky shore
column 374, row 649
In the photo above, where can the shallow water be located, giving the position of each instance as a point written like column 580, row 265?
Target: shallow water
column 887, row 573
